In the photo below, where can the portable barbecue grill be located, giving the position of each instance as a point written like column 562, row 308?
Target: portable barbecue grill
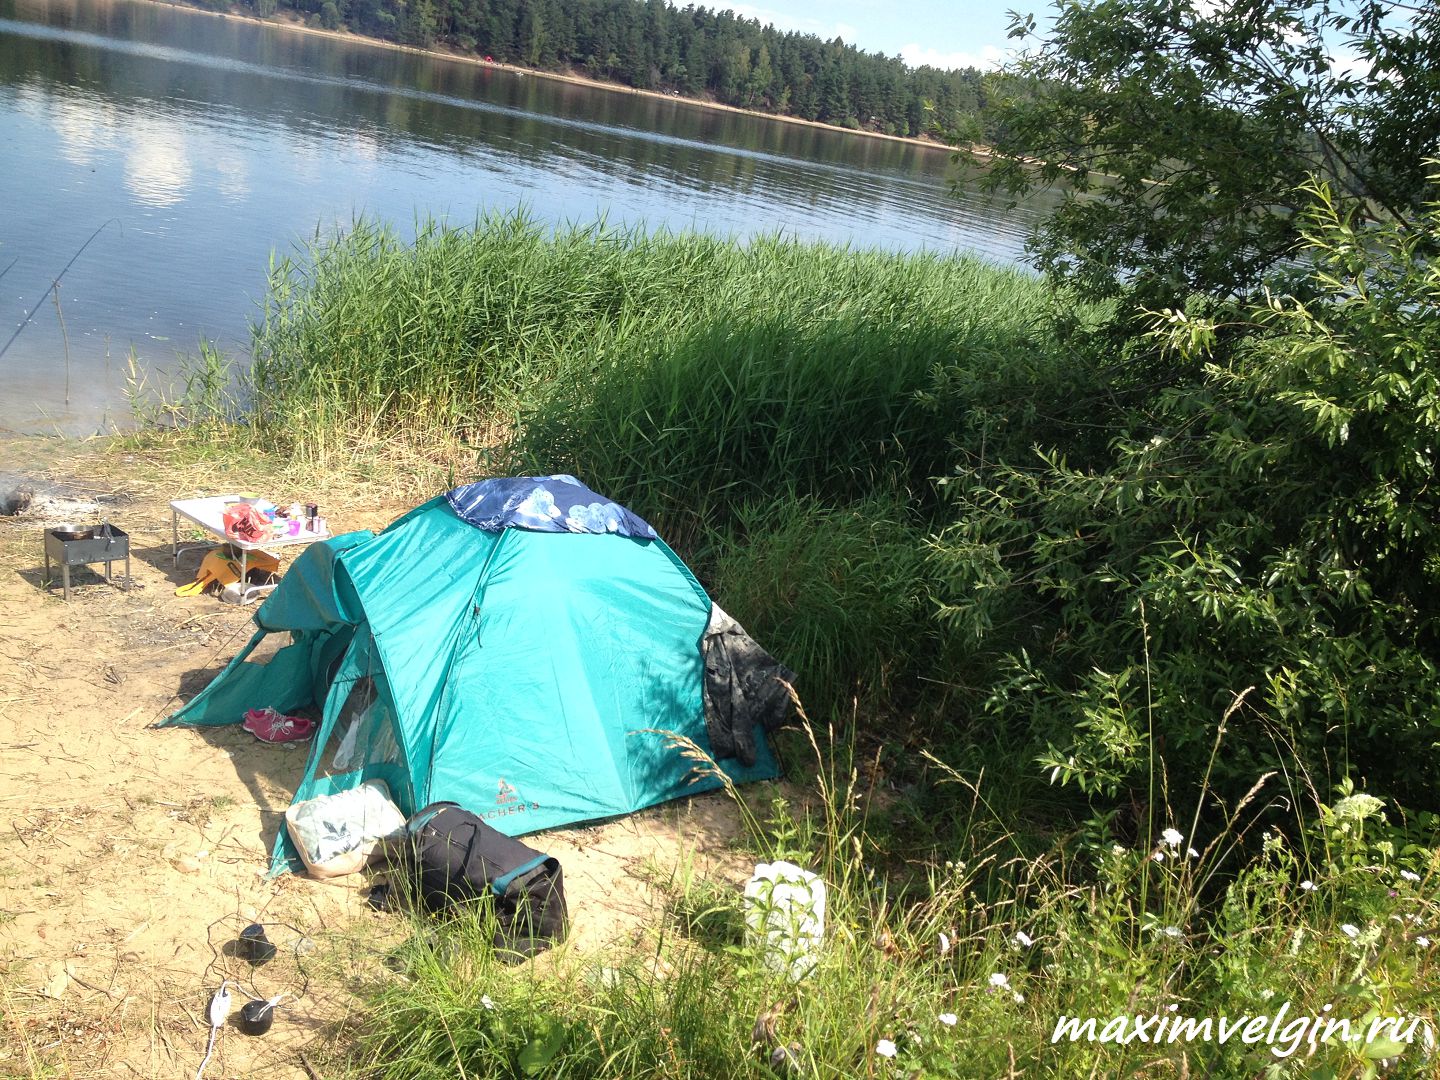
column 70, row 545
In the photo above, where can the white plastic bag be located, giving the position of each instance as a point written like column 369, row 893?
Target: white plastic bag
column 785, row 917
column 335, row 834
column 344, row 759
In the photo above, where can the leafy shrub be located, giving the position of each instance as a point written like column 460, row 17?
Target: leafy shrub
column 1272, row 524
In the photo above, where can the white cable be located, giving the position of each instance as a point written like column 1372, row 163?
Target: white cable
column 219, row 1012
column 208, row 1051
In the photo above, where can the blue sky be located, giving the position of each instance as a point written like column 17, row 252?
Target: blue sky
column 945, row 33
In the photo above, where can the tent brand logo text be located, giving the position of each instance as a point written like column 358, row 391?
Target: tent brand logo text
column 506, row 811
column 507, row 802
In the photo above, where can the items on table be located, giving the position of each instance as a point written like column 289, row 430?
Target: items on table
column 256, row 520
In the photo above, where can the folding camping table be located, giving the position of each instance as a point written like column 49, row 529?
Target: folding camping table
column 209, row 513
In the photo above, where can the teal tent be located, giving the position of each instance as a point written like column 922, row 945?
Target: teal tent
column 532, row 677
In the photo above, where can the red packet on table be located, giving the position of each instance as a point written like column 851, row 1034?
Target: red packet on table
column 243, row 522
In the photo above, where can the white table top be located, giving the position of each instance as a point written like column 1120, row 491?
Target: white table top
column 209, row 513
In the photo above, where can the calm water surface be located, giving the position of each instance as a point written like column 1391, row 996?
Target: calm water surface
column 197, row 146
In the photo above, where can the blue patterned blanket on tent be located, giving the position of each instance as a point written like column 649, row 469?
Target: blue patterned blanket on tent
column 557, row 503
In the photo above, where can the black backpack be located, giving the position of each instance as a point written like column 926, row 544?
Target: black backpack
column 453, row 857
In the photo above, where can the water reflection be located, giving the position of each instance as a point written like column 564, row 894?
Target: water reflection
column 157, row 171
column 213, row 141
column 81, row 131
column 233, row 180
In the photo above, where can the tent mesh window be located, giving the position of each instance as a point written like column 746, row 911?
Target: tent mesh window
column 365, row 729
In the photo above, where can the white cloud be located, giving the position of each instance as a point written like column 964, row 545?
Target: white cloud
column 829, row 31
column 989, row 56
column 1346, row 61
column 777, row 19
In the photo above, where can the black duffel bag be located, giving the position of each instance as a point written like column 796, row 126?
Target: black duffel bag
column 453, row 857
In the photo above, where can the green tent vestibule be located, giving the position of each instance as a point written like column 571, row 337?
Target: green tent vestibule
column 535, row 678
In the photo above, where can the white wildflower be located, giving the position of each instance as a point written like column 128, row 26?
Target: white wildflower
column 948, row 1019
column 1117, row 849
column 1000, row 981
column 1296, row 940
column 1172, row 837
column 886, row 1049
column 1159, row 856
column 1350, row 930
column 1019, row 998
column 1357, row 807
column 1192, row 853
column 1170, row 931
column 1023, row 939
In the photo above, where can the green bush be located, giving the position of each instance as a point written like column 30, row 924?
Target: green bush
column 1270, row 524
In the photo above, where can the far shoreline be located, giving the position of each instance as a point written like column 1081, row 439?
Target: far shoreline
column 294, row 24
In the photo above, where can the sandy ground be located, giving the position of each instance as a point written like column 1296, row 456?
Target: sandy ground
column 130, row 857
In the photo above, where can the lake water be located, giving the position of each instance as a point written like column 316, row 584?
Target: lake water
column 152, row 159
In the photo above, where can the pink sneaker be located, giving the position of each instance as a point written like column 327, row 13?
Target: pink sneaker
column 267, row 725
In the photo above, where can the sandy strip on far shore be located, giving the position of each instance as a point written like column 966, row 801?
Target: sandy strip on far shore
column 289, row 24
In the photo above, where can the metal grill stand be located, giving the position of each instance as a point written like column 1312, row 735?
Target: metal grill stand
column 105, row 544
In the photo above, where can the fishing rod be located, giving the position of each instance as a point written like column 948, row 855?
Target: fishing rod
column 55, row 283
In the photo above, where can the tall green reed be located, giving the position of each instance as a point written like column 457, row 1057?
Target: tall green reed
column 838, row 591
column 464, row 329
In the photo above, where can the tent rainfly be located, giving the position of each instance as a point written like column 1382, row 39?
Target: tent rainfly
column 520, row 646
